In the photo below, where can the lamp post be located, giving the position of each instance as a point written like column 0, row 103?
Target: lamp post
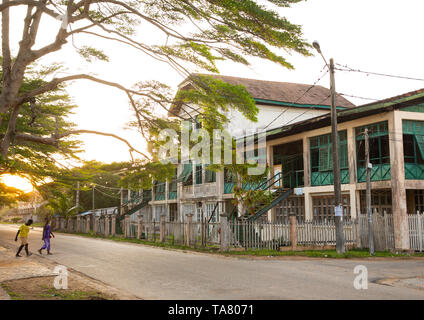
column 338, row 207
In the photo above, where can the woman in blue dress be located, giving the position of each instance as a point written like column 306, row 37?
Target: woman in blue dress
column 47, row 234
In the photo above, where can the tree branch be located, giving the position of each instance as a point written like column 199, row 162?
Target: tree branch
column 54, row 140
column 5, row 44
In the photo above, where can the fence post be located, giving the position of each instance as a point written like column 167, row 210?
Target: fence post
column 126, row 226
column 203, row 230
column 68, row 225
column 162, row 228
column 293, row 231
column 95, row 224
column 140, row 226
column 224, row 232
column 57, row 226
column 356, row 223
column 188, row 229
column 78, row 224
column 106, row 225
column 113, row 231
column 87, row 224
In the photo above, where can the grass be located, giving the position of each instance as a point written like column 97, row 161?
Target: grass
column 48, row 293
column 354, row 253
column 71, row 294
column 12, row 295
column 38, row 224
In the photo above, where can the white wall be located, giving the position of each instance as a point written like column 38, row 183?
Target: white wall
column 238, row 123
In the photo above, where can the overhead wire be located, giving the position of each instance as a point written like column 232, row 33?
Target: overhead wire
column 349, row 69
column 300, row 97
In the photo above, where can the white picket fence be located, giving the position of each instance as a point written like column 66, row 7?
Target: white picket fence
column 266, row 235
column 416, row 231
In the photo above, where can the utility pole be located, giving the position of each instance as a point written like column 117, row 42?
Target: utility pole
column 77, row 197
column 369, row 212
column 93, row 198
column 122, row 201
column 338, row 207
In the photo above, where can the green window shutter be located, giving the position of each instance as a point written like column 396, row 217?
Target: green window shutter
column 420, row 142
column 187, row 171
column 199, row 173
column 325, row 158
column 344, row 163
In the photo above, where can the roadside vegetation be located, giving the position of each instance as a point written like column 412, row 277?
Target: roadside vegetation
column 240, row 252
column 41, row 288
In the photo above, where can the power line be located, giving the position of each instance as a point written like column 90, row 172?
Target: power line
column 298, row 116
column 349, row 69
column 298, row 99
column 107, row 194
column 99, row 185
column 358, row 97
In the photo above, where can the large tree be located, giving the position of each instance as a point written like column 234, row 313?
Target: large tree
column 197, row 34
column 43, row 116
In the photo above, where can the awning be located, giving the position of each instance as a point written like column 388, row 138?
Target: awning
column 187, row 172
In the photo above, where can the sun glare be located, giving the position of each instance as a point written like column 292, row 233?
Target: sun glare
column 17, row 182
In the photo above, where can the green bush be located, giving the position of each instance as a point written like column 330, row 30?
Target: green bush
column 16, row 219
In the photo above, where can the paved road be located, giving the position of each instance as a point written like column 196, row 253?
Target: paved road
column 155, row 273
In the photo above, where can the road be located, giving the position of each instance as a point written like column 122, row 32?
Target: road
column 155, row 273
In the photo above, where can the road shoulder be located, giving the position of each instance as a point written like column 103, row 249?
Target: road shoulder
column 25, row 277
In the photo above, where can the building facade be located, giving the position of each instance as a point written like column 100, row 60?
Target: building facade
column 301, row 151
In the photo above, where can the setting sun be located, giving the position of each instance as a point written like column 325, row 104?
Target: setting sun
column 17, row 182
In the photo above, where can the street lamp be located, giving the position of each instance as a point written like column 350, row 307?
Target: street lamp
column 338, row 207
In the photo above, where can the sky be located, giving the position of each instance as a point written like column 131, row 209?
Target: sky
column 380, row 36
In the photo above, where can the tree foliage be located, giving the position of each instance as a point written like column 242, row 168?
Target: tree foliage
column 44, row 116
column 61, row 194
column 191, row 36
column 9, row 195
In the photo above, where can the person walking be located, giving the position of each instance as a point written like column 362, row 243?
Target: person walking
column 23, row 235
column 47, row 234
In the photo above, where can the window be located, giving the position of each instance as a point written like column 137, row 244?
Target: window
column 229, row 176
column 321, row 152
column 199, row 173
column 413, row 141
column 210, row 176
column 378, row 141
column 323, row 207
column 188, row 209
column 159, row 211
column 173, row 212
column 210, row 206
column 159, row 190
column 187, row 175
column 172, row 187
column 381, row 201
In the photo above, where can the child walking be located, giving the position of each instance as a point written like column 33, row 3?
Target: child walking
column 23, row 235
column 47, row 234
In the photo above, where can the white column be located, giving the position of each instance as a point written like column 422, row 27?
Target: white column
column 397, row 170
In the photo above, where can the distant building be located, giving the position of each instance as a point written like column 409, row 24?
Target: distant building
column 29, row 209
